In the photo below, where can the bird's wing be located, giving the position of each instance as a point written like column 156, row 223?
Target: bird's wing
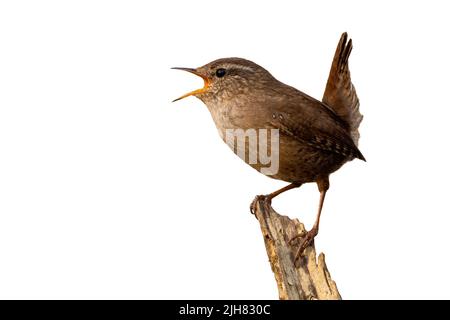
column 311, row 122
column 340, row 94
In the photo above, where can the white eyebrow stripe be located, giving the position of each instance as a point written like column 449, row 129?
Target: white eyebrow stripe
column 239, row 66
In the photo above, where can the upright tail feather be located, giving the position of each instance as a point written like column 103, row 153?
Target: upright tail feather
column 340, row 94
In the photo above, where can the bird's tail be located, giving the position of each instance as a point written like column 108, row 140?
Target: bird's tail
column 340, row 94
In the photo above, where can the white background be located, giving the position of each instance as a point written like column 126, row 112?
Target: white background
column 108, row 190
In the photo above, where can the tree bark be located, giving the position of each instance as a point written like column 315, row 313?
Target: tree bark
column 310, row 279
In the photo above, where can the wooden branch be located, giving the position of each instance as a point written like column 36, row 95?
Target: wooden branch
column 308, row 280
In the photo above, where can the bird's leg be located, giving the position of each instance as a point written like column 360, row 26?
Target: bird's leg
column 307, row 238
column 268, row 197
column 310, row 235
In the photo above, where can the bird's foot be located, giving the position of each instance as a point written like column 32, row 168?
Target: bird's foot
column 267, row 202
column 307, row 238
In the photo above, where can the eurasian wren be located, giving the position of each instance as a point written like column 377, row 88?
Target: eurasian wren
column 315, row 138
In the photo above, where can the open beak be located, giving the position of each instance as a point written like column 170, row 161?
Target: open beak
column 194, row 71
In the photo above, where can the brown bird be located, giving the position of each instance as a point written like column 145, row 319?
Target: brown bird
column 315, row 138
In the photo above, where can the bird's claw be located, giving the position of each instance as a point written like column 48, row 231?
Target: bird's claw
column 307, row 240
column 298, row 235
column 255, row 201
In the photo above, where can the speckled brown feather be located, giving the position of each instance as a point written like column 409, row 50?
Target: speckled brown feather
column 310, row 121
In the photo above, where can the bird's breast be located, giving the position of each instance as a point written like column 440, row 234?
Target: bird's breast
column 226, row 116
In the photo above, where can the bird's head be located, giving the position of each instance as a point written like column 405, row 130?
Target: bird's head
column 226, row 78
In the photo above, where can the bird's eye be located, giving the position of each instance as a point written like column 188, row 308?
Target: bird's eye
column 220, row 72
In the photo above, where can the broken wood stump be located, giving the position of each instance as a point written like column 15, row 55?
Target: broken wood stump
column 310, row 278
